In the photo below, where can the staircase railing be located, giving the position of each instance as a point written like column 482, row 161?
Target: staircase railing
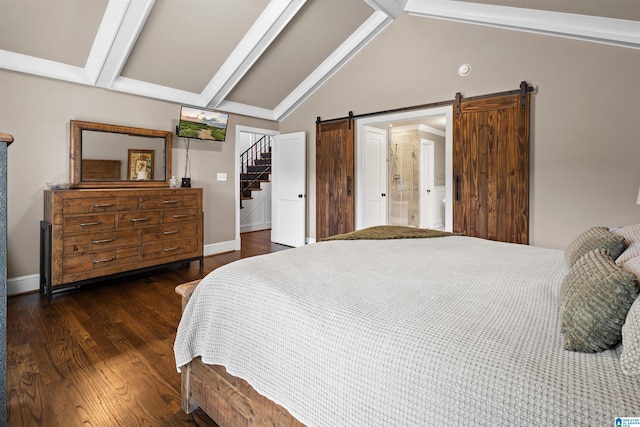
column 248, row 158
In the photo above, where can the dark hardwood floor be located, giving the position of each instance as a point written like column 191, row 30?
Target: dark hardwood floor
column 102, row 355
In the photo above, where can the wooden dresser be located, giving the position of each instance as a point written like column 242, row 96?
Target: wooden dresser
column 88, row 235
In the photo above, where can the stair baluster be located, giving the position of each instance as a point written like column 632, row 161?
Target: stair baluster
column 255, row 167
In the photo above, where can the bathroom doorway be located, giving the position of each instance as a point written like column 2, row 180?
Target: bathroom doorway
column 415, row 172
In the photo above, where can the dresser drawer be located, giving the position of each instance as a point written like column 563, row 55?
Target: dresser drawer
column 179, row 215
column 97, row 205
column 99, row 260
column 88, row 223
column 139, row 219
column 169, row 232
column 80, row 206
column 169, row 248
column 81, row 243
column 169, row 201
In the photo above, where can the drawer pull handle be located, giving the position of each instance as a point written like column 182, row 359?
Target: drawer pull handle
column 166, row 202
column 103, row 240
column 181, row 216
column 86, row 224
column 98, row 261
column 139, row 219
column 102, row 205
column 166, row 233
column 171, row 249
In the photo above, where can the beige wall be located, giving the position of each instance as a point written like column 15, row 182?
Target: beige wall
column 36, row 111
column 585, row 137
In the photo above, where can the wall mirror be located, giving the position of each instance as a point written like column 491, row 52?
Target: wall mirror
column 109, row 156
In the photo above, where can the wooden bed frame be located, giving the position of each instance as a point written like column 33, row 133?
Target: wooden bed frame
column 230, row 401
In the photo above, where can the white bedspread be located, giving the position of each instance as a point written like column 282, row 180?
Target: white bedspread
column 415, row 332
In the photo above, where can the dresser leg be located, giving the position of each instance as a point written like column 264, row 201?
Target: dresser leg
column 45, row 259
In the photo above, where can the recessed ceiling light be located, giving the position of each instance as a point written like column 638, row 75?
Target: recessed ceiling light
column 464, row 70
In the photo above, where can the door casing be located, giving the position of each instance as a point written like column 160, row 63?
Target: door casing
column 445, row 111
column 236, row 175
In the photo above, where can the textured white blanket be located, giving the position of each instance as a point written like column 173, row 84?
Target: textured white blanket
column 417, row 332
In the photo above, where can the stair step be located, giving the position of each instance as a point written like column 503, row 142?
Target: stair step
column 255, row 177
column 248, row 185
column 259, row 168
column 249, row 190
column 262, row 162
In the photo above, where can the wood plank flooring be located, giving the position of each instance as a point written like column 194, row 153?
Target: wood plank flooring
column 102, row 355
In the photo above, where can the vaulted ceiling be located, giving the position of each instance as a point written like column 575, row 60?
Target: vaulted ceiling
column 259, row 58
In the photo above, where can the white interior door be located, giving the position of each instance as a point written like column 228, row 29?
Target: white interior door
column 374, row 176
column 427, row 193
column 288, row 203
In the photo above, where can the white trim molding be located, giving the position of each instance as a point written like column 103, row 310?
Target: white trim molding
column 597, row 29
column 23, row 284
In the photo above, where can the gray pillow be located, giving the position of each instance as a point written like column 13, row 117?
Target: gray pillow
column 594, row 238
column 595, row 298
column 630, row 358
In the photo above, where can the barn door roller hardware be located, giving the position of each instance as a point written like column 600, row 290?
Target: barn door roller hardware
column 524, row 89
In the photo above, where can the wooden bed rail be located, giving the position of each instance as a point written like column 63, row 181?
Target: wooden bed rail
column 185, row 290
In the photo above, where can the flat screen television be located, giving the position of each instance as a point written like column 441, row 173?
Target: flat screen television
column 202, row 123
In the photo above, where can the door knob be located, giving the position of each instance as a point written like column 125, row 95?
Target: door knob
column 300, row 196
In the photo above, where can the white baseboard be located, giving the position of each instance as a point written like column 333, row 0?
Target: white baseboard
column 23, row 284
column 218, row 248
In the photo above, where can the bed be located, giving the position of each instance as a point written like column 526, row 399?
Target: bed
column 447, row 330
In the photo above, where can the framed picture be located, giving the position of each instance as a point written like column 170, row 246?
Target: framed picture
column 140, row 164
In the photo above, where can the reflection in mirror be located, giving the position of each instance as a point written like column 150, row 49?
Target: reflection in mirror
column 106, row 157
column 119, row 156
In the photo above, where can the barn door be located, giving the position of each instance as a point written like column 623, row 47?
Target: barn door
column 334, row 177
column 491, row 166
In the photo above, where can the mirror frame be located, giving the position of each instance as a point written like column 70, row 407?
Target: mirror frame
column 75, row 164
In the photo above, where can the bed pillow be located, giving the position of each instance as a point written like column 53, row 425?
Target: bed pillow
column 630, row 358
column 633, row 266
column 631, row 234
column 594, row 238
column 595, row 298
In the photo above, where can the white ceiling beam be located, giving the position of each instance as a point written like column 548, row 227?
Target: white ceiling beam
column 269, row 24
column 377, row 22
column 152, row 90
column 43, row 67
column 617, row 32
column 120, row 27
column 246, row 110
column 393, row 8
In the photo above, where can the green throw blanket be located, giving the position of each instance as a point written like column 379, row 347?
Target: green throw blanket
column 381, row 232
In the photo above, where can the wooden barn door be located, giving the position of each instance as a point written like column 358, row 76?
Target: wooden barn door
column 335, row 212
column 491, row 166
